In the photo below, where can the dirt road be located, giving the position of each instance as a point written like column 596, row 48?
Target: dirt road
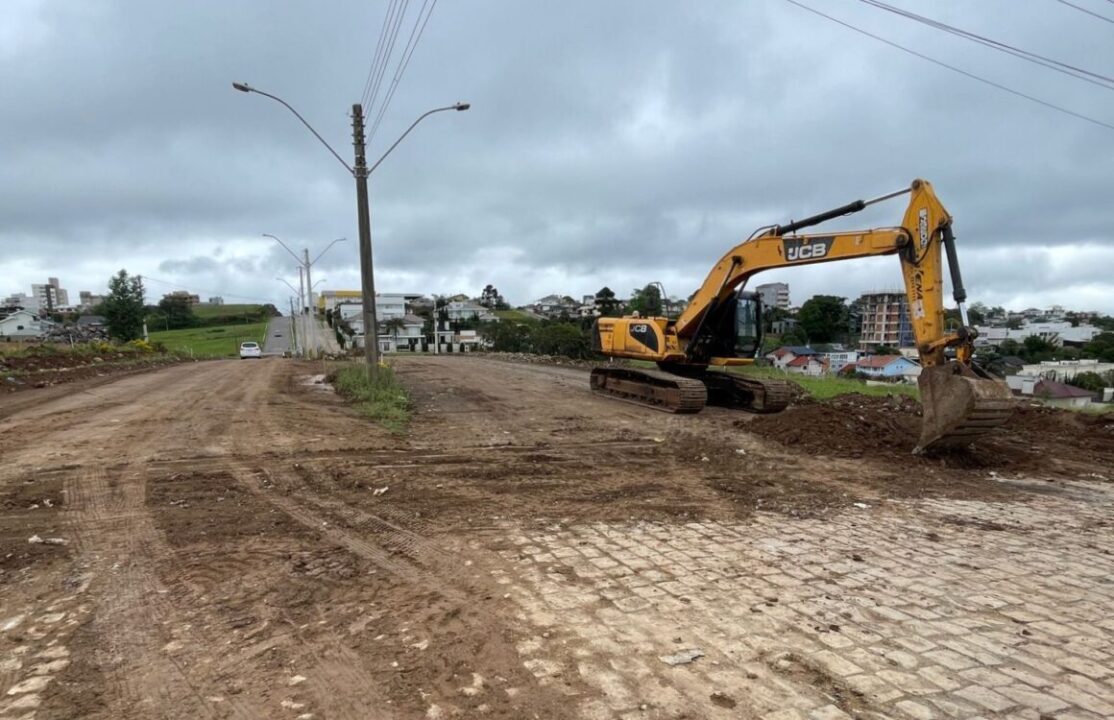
column 224, row 540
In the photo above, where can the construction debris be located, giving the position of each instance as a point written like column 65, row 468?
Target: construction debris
column 684, row 657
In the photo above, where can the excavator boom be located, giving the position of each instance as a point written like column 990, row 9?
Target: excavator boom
column 959, row 402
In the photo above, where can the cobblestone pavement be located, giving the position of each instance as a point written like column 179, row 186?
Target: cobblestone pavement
column 922, row 609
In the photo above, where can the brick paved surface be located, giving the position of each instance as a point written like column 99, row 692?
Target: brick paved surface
column 923, row 609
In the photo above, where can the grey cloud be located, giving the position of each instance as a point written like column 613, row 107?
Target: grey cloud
column 608, row 143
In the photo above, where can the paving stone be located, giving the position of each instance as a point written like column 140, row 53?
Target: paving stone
column 915, row 710
column 1009, row 624
column 1030, row 698
column 985, row 697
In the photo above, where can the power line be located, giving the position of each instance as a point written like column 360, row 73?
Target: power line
column 952, row 67
column 387, row 52
column 1085, row 10
column 380, row 56
column 1061, row 67
column 404, row 62
column 378, row 51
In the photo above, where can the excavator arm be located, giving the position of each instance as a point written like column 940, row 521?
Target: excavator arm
column 918, row 241
column 959, row 401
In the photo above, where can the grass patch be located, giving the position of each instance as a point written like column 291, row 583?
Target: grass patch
column 205, row 310
column 516, row 315
column 821, row 388
column 384, row 401
column 211, row 342
column 829, row 386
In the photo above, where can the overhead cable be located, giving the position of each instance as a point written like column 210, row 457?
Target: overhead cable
column 1086, row 75
column 378, row 52
column 388, row 51
column 1085, row 10
column 952, row 67
column 404, row 61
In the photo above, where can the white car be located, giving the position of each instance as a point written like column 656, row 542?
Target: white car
column 250, row 350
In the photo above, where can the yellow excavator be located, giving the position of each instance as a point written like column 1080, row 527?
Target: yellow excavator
column 722, row 326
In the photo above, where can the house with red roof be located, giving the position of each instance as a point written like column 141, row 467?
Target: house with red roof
column 1058, row 394
column 788, row 353
column 813, row 365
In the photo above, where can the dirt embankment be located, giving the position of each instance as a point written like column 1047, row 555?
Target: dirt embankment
column 1036, row 440
column 29, row 372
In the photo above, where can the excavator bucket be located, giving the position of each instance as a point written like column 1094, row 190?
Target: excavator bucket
column 959, row 405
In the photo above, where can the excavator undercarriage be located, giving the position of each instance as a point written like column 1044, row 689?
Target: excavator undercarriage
column 689, row 391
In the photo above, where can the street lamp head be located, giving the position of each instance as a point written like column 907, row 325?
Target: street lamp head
column 461, row 106
column 242, row 87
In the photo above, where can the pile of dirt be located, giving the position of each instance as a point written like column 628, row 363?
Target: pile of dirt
column 1036, row 438
column 26, row 372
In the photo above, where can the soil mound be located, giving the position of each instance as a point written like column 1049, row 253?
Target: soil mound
column 861, row 426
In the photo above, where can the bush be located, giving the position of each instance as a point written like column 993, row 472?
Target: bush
column 384, row 401
column 141, row 346
column 559, row 338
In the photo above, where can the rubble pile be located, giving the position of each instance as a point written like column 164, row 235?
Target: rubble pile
column 75, row 333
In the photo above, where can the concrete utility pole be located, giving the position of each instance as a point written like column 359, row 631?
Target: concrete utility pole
column 309, row 294
column 301, row 291
column 367, row 278
column 293, row 328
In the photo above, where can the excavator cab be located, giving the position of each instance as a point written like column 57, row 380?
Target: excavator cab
column 733, row 330
column 748, row 324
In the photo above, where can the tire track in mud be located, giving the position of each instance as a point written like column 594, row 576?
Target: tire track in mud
column 156, row 663
column 155, row 660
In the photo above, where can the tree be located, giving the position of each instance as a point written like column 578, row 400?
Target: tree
column 1101, row 347
column 491, row 299
column 646, row 302
column 795, row 336
column 123, row 307
column 393, row 326
column 1036, row 349
column 606, row 302
column 177, row 312
column 1088, row 381
column 823, row 318
column 559, row 338
column 1013, row 323
column 977, row 313
column 506, row 336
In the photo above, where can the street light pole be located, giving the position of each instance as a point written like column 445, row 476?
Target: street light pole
column 360, row 172
column 309, row 294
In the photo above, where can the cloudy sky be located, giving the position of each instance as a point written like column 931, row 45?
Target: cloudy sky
column 609, row 143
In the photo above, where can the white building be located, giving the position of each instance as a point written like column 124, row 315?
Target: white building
column 1056, row 333
column 459, row 310
column 1064, row 370
column 841, row 359
column 50, row 295
column 23, row 300
column 774, row 295
column 88, row 300
column 23, row 325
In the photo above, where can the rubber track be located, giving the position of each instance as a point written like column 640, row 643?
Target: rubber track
column 693, row 394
